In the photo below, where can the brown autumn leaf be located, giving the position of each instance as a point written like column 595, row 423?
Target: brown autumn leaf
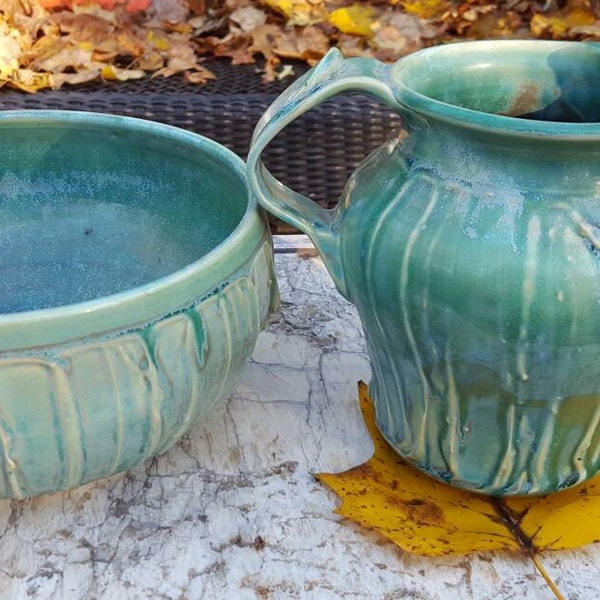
column 171, row 11
column 248, row 18
column 181, row 58
column 57, row 80
column 307, row 43
column 72, row 45
column 496, row 24
column 264, row 39
column 236, row 48
column 83, row 27
column 557, row 25
column 62, row 57
column 425, row 516
column 300, row 12
column 353, row 46
column 48, row 49
column 397, row 33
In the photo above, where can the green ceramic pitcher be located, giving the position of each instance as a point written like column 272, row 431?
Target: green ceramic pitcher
column 470, row 244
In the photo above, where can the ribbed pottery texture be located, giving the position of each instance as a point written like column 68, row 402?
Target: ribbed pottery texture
column 470, row 245
column 137, row 275
column 485, row 376
column 82, row 412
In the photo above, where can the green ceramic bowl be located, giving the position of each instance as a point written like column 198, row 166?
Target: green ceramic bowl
column 136, row 276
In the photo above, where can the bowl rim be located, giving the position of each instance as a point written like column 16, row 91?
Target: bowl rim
column 150, row 301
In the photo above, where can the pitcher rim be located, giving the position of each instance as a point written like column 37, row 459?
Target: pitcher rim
column 424, row 105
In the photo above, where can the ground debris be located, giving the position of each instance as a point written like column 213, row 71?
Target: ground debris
column 50, row 47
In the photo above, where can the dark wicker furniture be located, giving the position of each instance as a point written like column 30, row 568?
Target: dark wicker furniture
column 315, row 155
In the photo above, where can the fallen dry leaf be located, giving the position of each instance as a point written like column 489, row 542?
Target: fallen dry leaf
column 30, row 81
column 171, row 11
column 182, row 59
column 559, row 24
column 131, row 5
column 307, row 43
column 497, row 24
column 10, row 50
column 300, row 12
column 112, row 73
column 424, row 516
column 59, row 79
column 73, row 43
column 426, row 9
column 62, row 58
column 40, row 49
column 396, row 34
column 248, row 17
column 355, row 19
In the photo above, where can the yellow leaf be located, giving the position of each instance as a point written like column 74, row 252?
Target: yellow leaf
column 285, row 7
column 569, row 519
column 112, row 73
column 29, row 81
column 559, row 24
column 300, row 12
column 151, row 61
column 426, row 9
column 425, row 516
column 413, row 510
column 355, row 19
column 86, row 46
column 10, row 49
column 160, row 42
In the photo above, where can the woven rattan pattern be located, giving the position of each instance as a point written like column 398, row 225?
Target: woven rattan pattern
column 341, row 132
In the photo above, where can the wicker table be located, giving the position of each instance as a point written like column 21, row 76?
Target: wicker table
column 341, row 132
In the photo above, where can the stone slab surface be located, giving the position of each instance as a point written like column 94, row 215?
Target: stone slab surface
column 233, row 511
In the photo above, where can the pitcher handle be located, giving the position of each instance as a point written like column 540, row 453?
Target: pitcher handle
column 332, row 75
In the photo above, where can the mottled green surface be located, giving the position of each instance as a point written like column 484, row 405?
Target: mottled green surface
column 470, row 246
column 137, row 274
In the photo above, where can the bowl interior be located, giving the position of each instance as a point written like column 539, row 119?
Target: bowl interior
column 93, row 205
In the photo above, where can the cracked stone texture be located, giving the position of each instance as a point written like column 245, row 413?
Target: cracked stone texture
column 233, row 511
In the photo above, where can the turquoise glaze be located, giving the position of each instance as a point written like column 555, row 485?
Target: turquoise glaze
column 470, row 244
column 136, row 276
